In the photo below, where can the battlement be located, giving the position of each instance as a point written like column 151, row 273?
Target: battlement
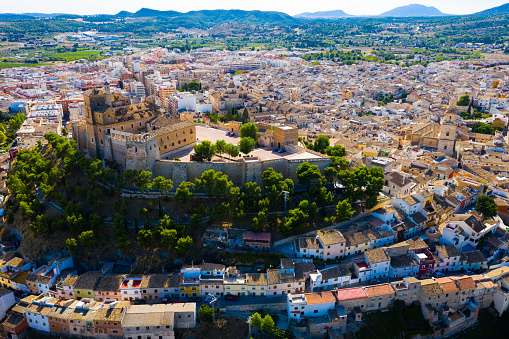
column 126, row 136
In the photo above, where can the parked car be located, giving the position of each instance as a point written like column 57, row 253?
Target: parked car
column 176, row 301
column 275, row 149
column 439, row 275
column 231, row 297
column 195, row 299
column 281, row 150
column 209, row 297
column 374, row 281
column 469, row 272
column 166, row 301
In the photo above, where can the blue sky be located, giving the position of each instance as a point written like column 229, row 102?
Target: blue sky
column 291, row 7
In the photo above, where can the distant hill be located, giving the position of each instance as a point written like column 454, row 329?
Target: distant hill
column 323, row 15
column 414, row 10
column 218, row 16
column 43, row 15
column 503, row 9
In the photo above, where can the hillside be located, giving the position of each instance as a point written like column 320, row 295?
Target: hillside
column 324, row 15
column 215, row 17
column 503, row 9
column 414, row 10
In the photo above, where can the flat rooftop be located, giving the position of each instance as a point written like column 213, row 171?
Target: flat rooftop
column 213, row 135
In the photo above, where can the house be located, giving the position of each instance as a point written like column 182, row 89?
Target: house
column 158, row 321
column 379, row 297
column 130, row 288
column 398, row 184
column 308, row 247
column 108, row 288
column 256, row 284
column 378, row 262
column 211, row 285
column 85, row 285
column 6, row 301
column 281, row 283
column 159, row 286
column 332, row 242
column 351, row 298
column 407, row 289
column 403, row 266
column 309, row 305
column 235, row 282
column 466, row 229
column 330, row 278
column 107, row 319
column 450, row 258
column 259, row 241
column 65, row 289
column 356, row 243
column 189, row 281
column 15, row 326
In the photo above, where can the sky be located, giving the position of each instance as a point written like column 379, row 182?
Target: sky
column 292, row 7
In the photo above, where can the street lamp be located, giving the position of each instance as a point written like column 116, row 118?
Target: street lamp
column 286, row 195
column 212, row 302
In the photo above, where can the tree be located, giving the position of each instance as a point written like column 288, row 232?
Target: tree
column 246, row 145
column 3, row 138
column 344, row 210
column 249, row 130
column 143, row 180
column 205, row 313
column 220, row 147
column 487, row 206
column 96, row 221
column 306, row 173
column 464, row 100
column 238, row 72
column 256, row 320
column 245, row 116
column 162, row 185
column 87, row 238
column 232, row 150
column 271, row 177
column 321, row 143
column 144, row 237
column 479, row 127
column 268, row 324
column 335, row 151
column 72, row 246
column 183, row 193
column 205, row 149
column 229, row 114
column 184, row 244
column 168, row 236
column 64, row 132
column 129, row 176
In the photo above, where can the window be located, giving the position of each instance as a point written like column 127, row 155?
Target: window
column 315, row 311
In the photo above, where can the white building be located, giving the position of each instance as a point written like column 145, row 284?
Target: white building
column 309, row 305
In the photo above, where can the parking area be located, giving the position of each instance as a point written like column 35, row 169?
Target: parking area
column 269, row 154
column 213, row 135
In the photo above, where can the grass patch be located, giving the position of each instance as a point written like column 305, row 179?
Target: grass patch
column 4, row 65
column 250, row 258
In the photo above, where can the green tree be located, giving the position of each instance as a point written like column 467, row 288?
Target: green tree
column 321, row 143
column 464, row 100
column 238, row 72
column 307, row 173
column 268, row 324
column 246, row 145
column 64, row 132
column 487, row 206
column 245, row 116
column 205, row 313
column 129, row 177
column 344, row 210
column 220, row 146
column 3, row 138
column 143, row 180
column 96, row 221
column 335, row 151
column 168, row 236
column 479, row 127
column 256, row 320
column 184, row 245
column 249, row 130
column 87, row 238
column 183, row 193
column 144, row 237
column 162, row 185
column 205, row 149
column 72, row 246
column 229, row 114
column 232, row 150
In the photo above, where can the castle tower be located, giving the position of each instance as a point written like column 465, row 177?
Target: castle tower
column 108, row 93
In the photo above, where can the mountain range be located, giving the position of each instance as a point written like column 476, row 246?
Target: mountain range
column 208, row 18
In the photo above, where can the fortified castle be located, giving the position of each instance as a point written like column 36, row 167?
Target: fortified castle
column 133, row 135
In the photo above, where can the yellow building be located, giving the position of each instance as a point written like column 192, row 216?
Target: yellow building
column 85, row 285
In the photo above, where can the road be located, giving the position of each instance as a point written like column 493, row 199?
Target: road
column 245, row 300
